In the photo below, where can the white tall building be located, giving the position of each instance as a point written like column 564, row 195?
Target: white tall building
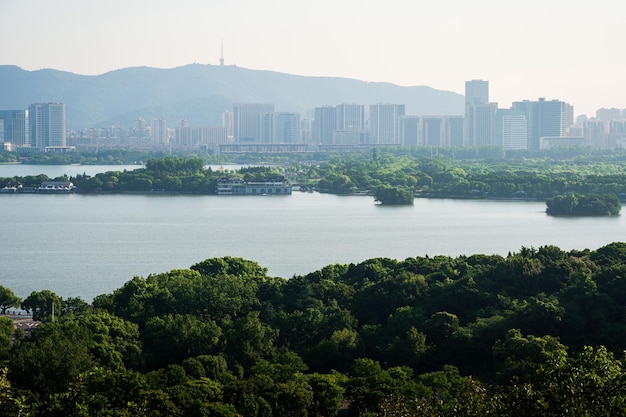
column 350, row 116
column 511, row 129
column 159, row 132
column 385, row 123
column 47, row 125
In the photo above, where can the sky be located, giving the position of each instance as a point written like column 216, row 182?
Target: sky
column 570, row 50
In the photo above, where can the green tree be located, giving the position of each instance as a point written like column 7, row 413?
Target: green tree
column 42, row 304
column 8, row 299
column 393, row 195
column 327, row 394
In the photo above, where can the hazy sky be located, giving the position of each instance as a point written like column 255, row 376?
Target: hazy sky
column 572, row 50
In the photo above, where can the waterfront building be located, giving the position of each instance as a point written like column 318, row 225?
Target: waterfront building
column 237, row 186
column 384, row 123
column 245, row 120
column 46, row 123
column 14, row 127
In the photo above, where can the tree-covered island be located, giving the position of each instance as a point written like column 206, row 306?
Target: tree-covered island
column 584, row 205
column 540, row 332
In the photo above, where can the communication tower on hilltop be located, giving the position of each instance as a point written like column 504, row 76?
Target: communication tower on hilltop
column 222, row 54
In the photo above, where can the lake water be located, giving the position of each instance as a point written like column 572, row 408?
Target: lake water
column 85, row 245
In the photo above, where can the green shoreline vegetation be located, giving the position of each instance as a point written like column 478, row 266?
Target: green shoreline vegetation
column 391, row 176
column 538, row 332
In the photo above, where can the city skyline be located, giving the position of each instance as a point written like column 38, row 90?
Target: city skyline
column 570, row 51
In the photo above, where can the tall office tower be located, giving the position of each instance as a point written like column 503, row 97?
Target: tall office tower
column 245, row 121
column 14, row 127
column 454, row 126
column 227, row 122
column 324, row 122
column 47, row 124
column 511, row 129
column 477, row 113
column 385, row 123
column 350, row 117
column 279, row 127
column 480, row 124
column 545, row 118
column 476, row 92
column 159, row 132
column 410, row 131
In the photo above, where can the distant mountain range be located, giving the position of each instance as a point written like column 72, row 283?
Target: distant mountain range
column 200, row 93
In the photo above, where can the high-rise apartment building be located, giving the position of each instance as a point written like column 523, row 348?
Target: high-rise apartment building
column 245, row 120
column 432, row 130
column 454, row 126
column 480, row 124
column 14, row 127
column 324, row 123
column 279, row 127
column 410, row 131
column 227, row 122
column 159, row 132
column 350, row 117
column 545, row 119
column 47, row 125
column 385, row 123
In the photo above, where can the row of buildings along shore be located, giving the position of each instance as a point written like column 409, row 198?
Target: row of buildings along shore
column 258, row 127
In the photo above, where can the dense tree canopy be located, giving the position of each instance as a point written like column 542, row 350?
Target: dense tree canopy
column 538, row 332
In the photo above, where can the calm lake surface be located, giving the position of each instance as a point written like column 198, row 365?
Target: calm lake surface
column 86, row 245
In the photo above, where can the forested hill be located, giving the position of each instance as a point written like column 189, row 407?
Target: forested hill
column 201, row 93
column 539, row 332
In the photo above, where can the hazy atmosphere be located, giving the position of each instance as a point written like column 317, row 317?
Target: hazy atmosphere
column 571, row 51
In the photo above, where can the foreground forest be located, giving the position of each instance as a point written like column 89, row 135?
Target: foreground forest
column 539, row 332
